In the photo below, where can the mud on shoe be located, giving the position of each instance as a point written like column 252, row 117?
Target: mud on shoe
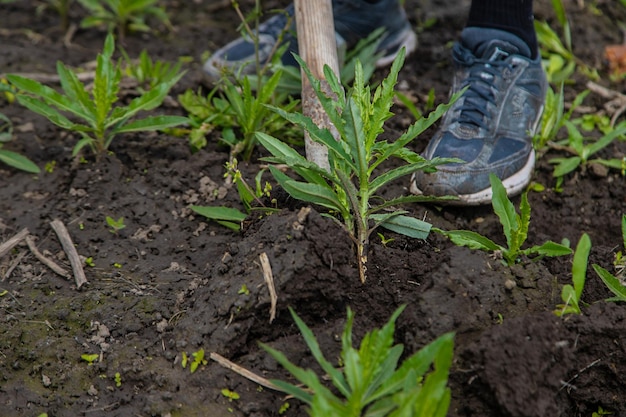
column 354, row 20
column 491, row 125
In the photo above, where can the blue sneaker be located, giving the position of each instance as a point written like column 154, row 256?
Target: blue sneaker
column 354, row 20
column 492, row 124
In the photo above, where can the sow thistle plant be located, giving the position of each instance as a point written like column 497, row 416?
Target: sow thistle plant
column 100, row 119
column 370, row 383
column 350, row 185
column 515, row 228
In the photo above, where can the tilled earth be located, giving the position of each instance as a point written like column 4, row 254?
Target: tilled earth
column 170, row 282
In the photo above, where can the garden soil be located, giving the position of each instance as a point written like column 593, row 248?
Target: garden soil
column 172, row 283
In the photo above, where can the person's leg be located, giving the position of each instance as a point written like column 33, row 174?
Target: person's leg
column 492, row 124
column 354, row 20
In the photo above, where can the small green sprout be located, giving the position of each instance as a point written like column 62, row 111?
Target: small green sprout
column 90, row 358
column 115, row 225
column 571, row 295
column 118, row 379
column 3, row 293
column 231, row 395
column 49, row 167
column 89, row 261
column 283, row 408
column 244, row 290
column 385, row 241
column 601, row 412
column 198, row 359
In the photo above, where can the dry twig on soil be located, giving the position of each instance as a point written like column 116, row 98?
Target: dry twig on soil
column 269, row 280
column 68, row 246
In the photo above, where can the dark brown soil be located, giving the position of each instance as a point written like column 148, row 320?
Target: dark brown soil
column 169, row 282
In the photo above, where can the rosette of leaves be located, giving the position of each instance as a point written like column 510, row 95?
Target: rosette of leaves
column 100, row 119
column 349, row 187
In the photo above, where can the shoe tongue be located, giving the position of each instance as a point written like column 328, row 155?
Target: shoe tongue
column 493, row 44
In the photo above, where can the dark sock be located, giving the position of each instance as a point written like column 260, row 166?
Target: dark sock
column 515, row 16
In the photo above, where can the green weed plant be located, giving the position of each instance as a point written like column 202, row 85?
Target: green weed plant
column 150, row 73
column 571, row 294
column 238, row 111
column 514, row 225
column 560, row 62
column 370, row 383
column 60, row 7
column 583, row 148
column 100, row 119
column 248, row 195
column 123, row 15
column 349, row 187
column 554, row 118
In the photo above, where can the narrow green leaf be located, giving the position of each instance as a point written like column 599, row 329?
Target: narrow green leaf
column 579, row 266
column 505, row 210
column 405, row 225
column 18, row 161
column 612, row 283
column 355, row 137
column 313, row 193
column 151, row 123
column 550, row 248
column 314, row 347
column 40, row 107
column 220, row 213
column 565, row 165
column 470, row 239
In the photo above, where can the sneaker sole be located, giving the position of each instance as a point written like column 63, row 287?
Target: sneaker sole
column 408, row 40
column 513, row 186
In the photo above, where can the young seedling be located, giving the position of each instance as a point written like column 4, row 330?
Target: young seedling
column 115, row 225
column 230, row 217
column 231, row 395
column 238, row 110
column 571, row 295
column 90, row 358
column 61, row 7
column 560, row 61
column 350, row 185
column 370, row 383
column 198, row 359
column 118, row 379
column 11, row 158
column 554, row 118
column 101, row 121
column 615, row 283
column 123, row 15
column 583, row 148
column 514, row 225
column 149, row 73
